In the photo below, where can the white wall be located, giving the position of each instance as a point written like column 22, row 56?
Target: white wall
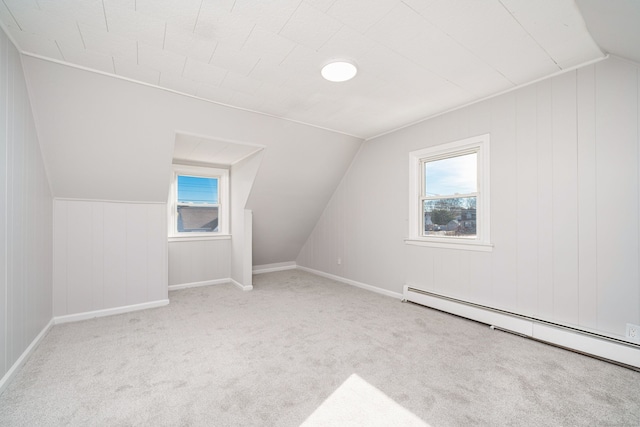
column 25, row 217
column 192, row 262
column 565, row 191
column 242, row 179
column 106, row 138
column 108, row 255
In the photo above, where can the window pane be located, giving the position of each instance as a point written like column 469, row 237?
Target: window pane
column 197, row 219
column 195, row 189
column 451, row 176
column 450, row 217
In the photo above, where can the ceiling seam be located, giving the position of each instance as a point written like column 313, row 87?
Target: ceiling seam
column 104, row 11
column 529, row 34
column 12, row 15
column 91, row 70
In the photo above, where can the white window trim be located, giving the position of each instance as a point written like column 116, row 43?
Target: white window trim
column 223, row 202
column 483, row 225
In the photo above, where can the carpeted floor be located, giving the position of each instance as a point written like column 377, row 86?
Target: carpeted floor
column 303, row 349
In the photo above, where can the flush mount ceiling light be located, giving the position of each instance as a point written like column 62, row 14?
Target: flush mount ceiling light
column 339, row 71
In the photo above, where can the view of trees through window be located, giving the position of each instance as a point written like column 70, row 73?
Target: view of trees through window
column 450, row 196
column 450, row 217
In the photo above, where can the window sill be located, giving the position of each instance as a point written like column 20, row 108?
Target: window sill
column 442, row 244
column 197, row 238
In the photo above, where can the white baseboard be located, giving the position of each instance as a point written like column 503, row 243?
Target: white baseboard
column 571, row 338
column 241, row 286
column 108, row 311
column 352, row 282
column 278, row 266
column 4, row 382
column 198, row 284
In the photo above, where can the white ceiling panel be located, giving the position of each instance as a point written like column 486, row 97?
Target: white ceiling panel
column 131, row 70
column 135, row 26
column 268, row 14
column 37, row 44
column 37, row 22
column 215, row 93
column 203, row 72
column 178, row 83
column 108, row 43
column 270, row 47
column 217, row 24
column 269, row 74
column 86, row 58
column 240, row 83
column 181, row 14
column 414, row 57
column 310, row 27
column 240, row 62
column 188, row 44
column 361, row 14
column 89, row 12
column 161, row 59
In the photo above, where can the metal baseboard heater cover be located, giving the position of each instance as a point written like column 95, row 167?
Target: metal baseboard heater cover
column 601, row 346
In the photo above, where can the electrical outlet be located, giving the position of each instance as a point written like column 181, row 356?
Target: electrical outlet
column 339, row 261
column 633, row 332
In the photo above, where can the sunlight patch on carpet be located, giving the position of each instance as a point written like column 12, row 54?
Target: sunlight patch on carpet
column 358, row 403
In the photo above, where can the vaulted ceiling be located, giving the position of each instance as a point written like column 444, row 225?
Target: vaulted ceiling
column 416, row 58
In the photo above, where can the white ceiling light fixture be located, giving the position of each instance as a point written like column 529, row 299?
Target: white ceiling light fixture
column 339, row 71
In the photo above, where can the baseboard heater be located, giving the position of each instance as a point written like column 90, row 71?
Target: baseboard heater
column 590, row 343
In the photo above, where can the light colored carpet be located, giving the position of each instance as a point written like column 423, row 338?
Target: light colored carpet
column 300, row 348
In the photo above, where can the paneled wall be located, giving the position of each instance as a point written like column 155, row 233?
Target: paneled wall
column 25, row 217
column 565, row 193
column 108, row 255
column 199, row 261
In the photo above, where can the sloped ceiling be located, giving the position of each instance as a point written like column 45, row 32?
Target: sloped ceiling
column 191, row 149
column 109, row 139
column 416, row 58
column 614, row 25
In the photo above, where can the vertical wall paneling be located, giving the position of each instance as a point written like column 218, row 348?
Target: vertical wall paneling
column 25, row 217
column 157, row 250
column 587, row 199
column 116, row 255
column 4, row 52
column 565, row 182
column 60, row 261
column 545, row 200
column 503, row 197
column 617, row 190
column 97, row 255
column 79, row 262
column 13, row 328
column 565, row 199
column 479, row 123
column 136, row 254
column 527, row 201
column 199, row 261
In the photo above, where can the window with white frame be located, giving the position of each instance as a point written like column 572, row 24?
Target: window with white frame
column 449, row 205
column 198, row 202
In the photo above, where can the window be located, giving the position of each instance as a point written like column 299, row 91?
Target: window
column 450, row 195
column 198, row 205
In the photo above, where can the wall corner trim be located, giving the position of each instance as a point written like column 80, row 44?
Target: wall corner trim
column 278, row 266
column 371, row 288
column 108, row 312
column 198, row 284
column 241, row 286
column 6, row 379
